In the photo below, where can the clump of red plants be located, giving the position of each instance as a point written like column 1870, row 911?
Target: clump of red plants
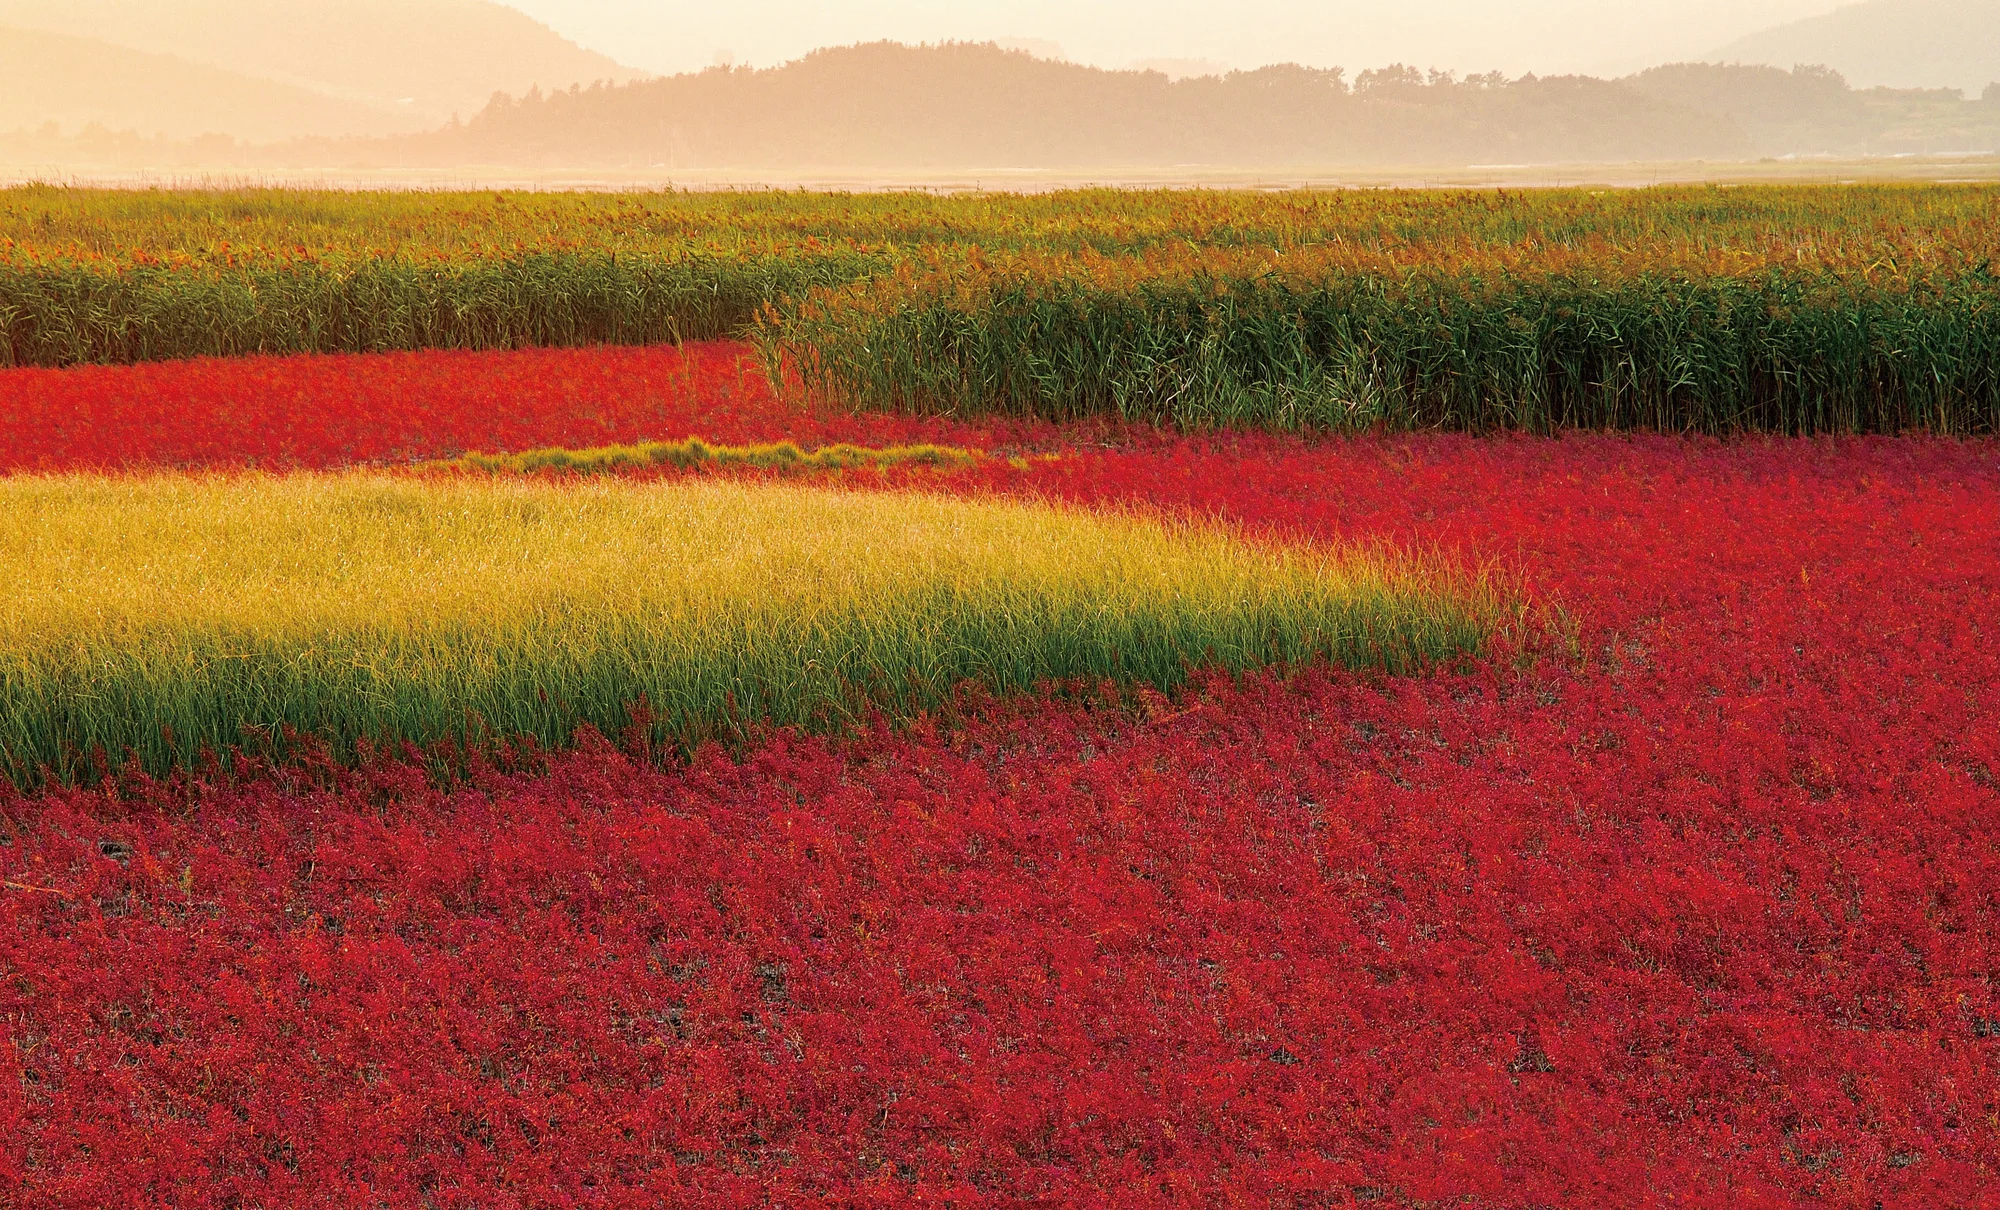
column 283, row 413
column 1704, row 914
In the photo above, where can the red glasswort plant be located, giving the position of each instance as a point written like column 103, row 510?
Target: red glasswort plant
column 280, row 413
column 1708, row 915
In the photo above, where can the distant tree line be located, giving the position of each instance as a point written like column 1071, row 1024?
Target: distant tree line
column 972, row 107
column 887, row 105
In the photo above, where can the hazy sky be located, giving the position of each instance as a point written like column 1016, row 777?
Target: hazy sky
column 1545, row 36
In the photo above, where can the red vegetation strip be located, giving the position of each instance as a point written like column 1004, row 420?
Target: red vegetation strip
column 1712, row 920
column 330, row 411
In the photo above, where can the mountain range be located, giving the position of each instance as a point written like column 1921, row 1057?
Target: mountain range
column 430, row 85
column 888, row 106
column 72, row 83
column 1888, row 43
column 273, row 69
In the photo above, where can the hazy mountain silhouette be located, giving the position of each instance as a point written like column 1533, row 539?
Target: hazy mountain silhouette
column 425, row 58
column 79, row 82
column 889, row 106
column 1813, row 111
column 1892, row 43
column 895, row 111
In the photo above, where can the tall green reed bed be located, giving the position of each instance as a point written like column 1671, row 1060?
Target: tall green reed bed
column 155, row 619
column 220, row 226
column 1307, row 343
column 1789, row 309
column 101, row 311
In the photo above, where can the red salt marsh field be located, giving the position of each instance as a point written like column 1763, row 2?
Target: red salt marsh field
column 1706, row 913
column 284, row 413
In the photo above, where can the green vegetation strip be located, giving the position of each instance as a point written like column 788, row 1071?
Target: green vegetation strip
column 71, row 310
column 159, row 618
column 694, row 453
column 1783, row 309
column 1320, row 342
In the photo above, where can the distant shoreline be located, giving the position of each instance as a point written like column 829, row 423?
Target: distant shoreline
column 1955, row 168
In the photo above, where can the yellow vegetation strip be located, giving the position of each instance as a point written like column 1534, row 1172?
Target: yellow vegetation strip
column 694, row 453
column 164, row 616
